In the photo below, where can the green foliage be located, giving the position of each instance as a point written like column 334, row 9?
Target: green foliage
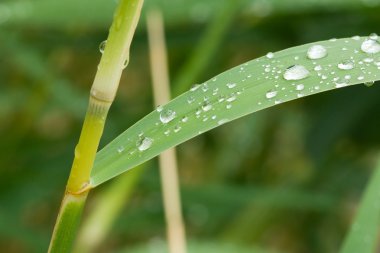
column 250, row 87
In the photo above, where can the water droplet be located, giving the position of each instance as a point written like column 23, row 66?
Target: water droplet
column 318, row 68
column 370, row 46
column 120, row 149
column 271, row 94
column 190, row 99
column 222, row 121
column 373, row 36
column 270, row 55
column 296, row 72
column 356, row 37
column 184, row 119
column 102, row 46
column 194, row 87
column 205, row 87
column 159, row 108
column 177, row 129
column 231, row 98
column 144, row 143
column 346, row 65
column 125, row 63
column 206, row 106
column 316, row 52
column 167, row 116
column 369, row 84
column 300, row 87
column 341, row 82
column 231, row 85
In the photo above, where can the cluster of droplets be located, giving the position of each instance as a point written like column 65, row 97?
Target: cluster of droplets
column 297, row 72
column 329, row 74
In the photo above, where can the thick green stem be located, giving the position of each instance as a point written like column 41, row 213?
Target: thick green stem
column 114, row 60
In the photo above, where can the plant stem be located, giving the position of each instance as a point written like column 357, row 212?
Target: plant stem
column 167, row 160
column 114, row 60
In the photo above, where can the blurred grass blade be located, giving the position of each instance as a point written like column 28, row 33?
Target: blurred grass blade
column 208, row 46
column 247, row 88
column 364, row 233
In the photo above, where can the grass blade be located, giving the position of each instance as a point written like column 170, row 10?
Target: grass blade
column 247, row 88
column 363, row 236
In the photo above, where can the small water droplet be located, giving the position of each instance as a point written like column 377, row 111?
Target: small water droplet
column 194, row 87
column 159, row 108
column 341, row 82
column 346, row 65
column 300, row 87
column 120, row 149
column 167, row 116
column 231, row 85
column 231, row 98
column 125, row 63
column 369, row 84
column 222, row 121
column 177, row 129
column 206, row 106
column 356, row 37
column 373, row 36
column 190, row 99
column 205, row 87
column 271, row 94
column 184, row 119
column 316, row 52
column 318, row 68
column 102, row 46
column 270, row 55
column 296, row 72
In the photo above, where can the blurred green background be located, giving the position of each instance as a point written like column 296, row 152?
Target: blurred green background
column 287, row 179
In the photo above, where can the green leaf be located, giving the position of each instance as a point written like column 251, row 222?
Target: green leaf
column 363, row 236
column 247, row 88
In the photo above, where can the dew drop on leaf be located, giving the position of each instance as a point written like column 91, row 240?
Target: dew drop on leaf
column 120, row 149
column 296, row 72
column 271, row 94
column 231, row 85
column 167, row 116
column 270, row 55
column 102, row 46
column 316, row 52
column 346, row 65
column 144, row 143
column 370, row 46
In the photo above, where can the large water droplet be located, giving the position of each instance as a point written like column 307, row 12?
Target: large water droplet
column 316, row 52
column 271, row 94
column 370, row 46
column 296, row 72
column 102, row 46
column 346, row 65
column 144, row 143
column 167, row 116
